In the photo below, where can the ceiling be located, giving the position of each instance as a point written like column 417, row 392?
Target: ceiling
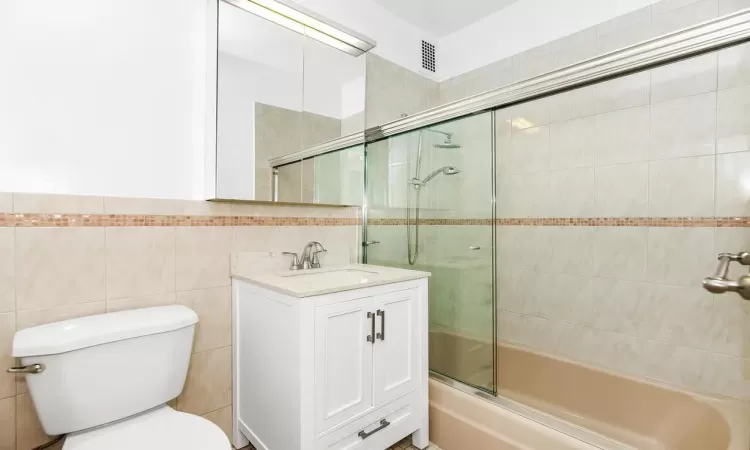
column 443, row 17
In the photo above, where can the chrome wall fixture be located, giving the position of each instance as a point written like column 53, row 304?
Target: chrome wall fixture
column 705, row 37
column 720, row 284
column 308, row 23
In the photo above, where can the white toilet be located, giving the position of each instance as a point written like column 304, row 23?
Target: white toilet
column 105, row 380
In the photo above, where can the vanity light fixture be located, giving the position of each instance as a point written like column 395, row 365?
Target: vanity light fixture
column 309, row 24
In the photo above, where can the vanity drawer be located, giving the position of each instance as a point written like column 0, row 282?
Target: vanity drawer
column 381, row 428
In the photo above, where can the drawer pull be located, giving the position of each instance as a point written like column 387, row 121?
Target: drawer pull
column 383, row 423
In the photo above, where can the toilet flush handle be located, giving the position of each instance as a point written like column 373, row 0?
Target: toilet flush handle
column 34, row 368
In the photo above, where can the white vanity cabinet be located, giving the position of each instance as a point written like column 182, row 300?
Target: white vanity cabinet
column 340, row 370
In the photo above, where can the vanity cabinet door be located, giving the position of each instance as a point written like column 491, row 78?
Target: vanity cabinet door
column 343, row 361
column 396, row 353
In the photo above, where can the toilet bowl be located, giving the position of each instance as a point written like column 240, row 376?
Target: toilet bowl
column 105, row 380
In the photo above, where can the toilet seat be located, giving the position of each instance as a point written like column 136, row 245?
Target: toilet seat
column 162, row 428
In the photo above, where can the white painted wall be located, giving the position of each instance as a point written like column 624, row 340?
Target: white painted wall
column 353, row 97
column 102, row 97
column 521, row 26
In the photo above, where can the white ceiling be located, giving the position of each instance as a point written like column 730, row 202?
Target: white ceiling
column 443, row 17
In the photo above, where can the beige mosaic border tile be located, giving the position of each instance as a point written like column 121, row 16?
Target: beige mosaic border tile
column 145, row 220
column 665, row 222
column 142, row 220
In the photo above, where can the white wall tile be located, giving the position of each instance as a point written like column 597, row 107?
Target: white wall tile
column 692, row 76
column 680, row 256
column 681, row 187
column 621, row 190
column 688, row 15
column 733, row 120
column 531, row 114
column 677, row 315
column 522, row 195
column 624, row 31
column 575, row 48
column 682, row 366
column 572, row 143
column 622, row 136
column 734, row 66
column 572, row 104
column 730, row 6
column 570, row 250
column 733, row 184
column 620, row 253
column 683, row 127
column 616, row 304
column 665, row 6
column 729, row 333
column 571, row 193
column 624, row 92
column 529, row 151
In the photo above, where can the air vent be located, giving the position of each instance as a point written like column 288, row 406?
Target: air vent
column 428, row 56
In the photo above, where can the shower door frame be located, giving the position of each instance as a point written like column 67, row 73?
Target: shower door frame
column 710, row 36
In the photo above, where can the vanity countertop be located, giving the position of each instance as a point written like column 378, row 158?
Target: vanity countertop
column 326, row 280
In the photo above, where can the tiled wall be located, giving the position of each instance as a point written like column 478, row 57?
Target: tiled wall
column 651, row 159
column 663, row 17
column 393, row 91
column 75, row 268
column 670, row 142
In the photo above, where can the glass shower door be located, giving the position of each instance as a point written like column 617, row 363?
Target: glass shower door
column 430, row 207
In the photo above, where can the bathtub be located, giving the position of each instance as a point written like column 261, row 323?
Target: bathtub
column 546, row 402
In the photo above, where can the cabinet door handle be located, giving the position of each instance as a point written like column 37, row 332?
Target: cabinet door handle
column 381, row 335
column 383, row 423
column 371, row 336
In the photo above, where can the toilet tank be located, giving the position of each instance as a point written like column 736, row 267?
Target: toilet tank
column 99, row 369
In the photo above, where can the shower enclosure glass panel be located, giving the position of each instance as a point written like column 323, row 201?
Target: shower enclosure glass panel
column 430, row 207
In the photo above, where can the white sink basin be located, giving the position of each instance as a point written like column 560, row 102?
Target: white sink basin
column 310, row 282
column 318, row 272
column 323, row 276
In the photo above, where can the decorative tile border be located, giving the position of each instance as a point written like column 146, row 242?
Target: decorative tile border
column 654, row 222
column 145, row 220
column 125, row 220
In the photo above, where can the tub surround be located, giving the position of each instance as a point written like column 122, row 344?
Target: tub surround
column 67, row 256
column 634, row 413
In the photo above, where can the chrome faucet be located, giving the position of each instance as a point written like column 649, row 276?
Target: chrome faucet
column 309, row 259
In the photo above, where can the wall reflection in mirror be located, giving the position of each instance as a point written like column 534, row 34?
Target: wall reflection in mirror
column 334, row 178
column 278, row 92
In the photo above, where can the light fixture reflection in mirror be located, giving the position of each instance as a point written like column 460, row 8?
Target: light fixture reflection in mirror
column 305, row 22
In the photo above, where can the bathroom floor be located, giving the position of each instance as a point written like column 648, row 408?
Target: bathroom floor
column 405, row 444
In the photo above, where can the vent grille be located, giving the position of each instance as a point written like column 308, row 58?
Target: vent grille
column 428, row 56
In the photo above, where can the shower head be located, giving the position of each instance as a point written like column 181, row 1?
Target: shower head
column 446, row 170
column 447, row 144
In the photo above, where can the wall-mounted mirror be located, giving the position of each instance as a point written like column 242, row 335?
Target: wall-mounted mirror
column 279, row 90
column 259, row 101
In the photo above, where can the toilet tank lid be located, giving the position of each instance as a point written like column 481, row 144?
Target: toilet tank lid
column 74, row 334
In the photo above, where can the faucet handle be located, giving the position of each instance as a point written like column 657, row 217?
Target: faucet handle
column 315, row 263
column 295, row 265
